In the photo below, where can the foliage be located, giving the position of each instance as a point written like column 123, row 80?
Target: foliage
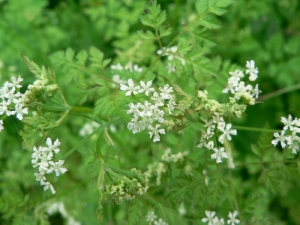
column 135, row 91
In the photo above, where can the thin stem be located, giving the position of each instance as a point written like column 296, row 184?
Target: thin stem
column 255, row 129
column 88, row 137
column 279, row 92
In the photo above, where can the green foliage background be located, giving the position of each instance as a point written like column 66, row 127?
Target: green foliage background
column 65, row 35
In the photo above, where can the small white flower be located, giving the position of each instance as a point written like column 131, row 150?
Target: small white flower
column 210, row 217
column 57, row 167
column 251, row 70
column 226, row 133
column 150, row 217
column 160, row 222
column 232, row 220
column 47, row 185
column 219, row 154
column 20, row 111
column 130, row 88
column 155, row 132
column 165, row 92
column 218, row 221
column 146, row 87
column 53, row 147
column 237, row 74
column 279, row 138
column 288, row 122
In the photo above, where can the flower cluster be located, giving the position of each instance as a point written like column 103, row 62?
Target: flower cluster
column 59, row 207
column 88, row 128
column 172, row 54
column 12, row 100
column 149, row 114
column 42, row 158
column 152, row 219
column 125, row 187
column 288, row 137
column 156, row 169
column 168, row 157
column 212, row 219
column 39, row 86
column 213, row 125
column 128, row 67
column 239, row 89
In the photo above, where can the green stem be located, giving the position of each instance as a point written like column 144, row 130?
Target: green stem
column 79, row 109
column 255, row 129
column 279, row 92
column 88, row 137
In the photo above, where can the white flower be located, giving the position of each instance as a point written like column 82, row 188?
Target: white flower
column 289, row 123
column 116, row 67
column 130, row 88
column 155, row 132
column 150, row 217
column 232, row 220
column 53, row 147
column 226, row 133
column 15, row 82
column 158, row 100
column 251, row 70
column 219, row 154
column 19, row 110
column 165, row 92
column 218, row 221
column 256, row 91
column 280, row 138
column 56, row 166
column 210, row 217
column 237, row 74
column 47, row 185
column 160, row 222
column 146, row 87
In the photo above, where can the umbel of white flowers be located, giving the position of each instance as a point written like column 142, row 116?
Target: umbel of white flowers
column 12, row 100
column 288, row 137
column 149, row 114
column 42, row 158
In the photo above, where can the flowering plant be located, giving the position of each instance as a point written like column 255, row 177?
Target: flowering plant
column 160, row 126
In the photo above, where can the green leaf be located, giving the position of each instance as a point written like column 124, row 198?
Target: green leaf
column 148, row 35
column 81, row 57
column 163, row 32
column 134, row 211
column 96, row 57
column 69, row 55
column 33, row 67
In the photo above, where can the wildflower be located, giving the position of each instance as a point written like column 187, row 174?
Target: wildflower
column 219, row 154
column 279, row 138
column 165, row 92
column 150, row 217
column 57, row 167
column 218, row 221
column 288, row 122
column 42, row 158
column 226, row 133
column 155, row 132
column 160, row 222
column 210, row 217
column 130, row 88
column 146, row 87
column 251, row 70
column 53, row 147
column 232, row 220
